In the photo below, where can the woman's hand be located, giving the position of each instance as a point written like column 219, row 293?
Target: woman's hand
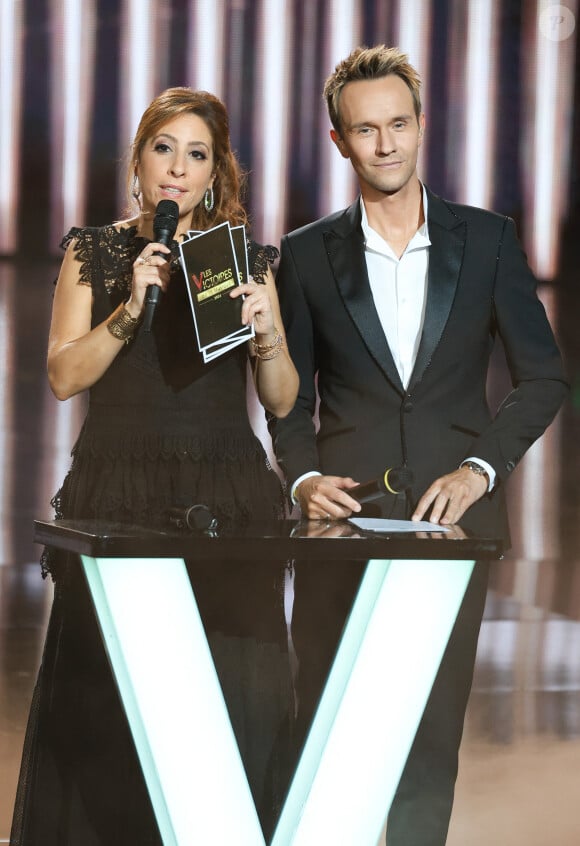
column 256, row 307
column 148, row 269
column 275, row 378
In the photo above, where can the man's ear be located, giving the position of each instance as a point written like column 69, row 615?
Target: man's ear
column 421, row 127
column 339, row 143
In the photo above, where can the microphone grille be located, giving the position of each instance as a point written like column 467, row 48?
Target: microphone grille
column 167, row 208
column 166, row 213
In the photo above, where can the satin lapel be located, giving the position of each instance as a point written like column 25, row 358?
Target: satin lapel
column 447, row 234
column 345, row 250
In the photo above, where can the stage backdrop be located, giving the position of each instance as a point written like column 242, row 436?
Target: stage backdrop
column 502, row 132
column 498, row 90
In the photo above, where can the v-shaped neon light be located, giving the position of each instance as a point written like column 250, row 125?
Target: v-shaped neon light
column 359, row 741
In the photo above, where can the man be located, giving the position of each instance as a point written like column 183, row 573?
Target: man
column 391, row 308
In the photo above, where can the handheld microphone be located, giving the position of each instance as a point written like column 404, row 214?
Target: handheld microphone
column 196, row 518
column 164, row 226
column 395, row 480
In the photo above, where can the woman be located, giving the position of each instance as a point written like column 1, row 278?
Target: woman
column 163, row 429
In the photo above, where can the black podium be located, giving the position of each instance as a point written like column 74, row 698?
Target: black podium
column 393, row 640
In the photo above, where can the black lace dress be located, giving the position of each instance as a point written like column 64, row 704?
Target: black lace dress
column 162, row 429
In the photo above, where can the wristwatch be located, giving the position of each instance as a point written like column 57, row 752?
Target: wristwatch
column 476, row 468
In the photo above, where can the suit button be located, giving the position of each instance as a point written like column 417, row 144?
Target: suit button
column 510, row 465
column 408, row 406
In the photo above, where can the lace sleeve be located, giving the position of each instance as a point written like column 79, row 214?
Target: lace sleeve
column 83, row 248
column 106, row 255
column 259, row 259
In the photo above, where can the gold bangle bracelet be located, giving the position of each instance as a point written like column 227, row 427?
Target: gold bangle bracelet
column 269, row 355
column 266, row 347
column 121, row 325
column 267, row 351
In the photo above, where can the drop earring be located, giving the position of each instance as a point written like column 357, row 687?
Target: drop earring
column 208, row 199
column 135, row 188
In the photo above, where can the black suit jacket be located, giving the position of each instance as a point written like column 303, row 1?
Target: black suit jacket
column 479, row 286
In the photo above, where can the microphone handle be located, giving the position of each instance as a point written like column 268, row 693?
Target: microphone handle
column 164, row 228
column 152, row 297
column 368, row 491
column 394, row 481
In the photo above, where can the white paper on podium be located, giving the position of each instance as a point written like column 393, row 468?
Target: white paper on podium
column 376, row 524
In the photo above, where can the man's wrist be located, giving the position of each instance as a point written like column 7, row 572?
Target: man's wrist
column 298, row 481
column 482, row 468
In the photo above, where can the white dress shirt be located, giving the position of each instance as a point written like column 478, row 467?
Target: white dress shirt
column 399, row 289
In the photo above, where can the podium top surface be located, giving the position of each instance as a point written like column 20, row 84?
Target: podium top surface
column 271, row 540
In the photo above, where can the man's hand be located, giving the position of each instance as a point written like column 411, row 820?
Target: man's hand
column 451, row 496
column 325, row 497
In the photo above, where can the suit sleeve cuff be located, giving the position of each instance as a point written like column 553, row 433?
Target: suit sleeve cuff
column 297, row 482
column 488, row 469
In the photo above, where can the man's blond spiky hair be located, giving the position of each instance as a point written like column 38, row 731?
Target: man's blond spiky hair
column 370, row 63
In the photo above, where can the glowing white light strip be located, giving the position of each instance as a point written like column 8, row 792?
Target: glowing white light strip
column 544, row 142
column 73, row 16
column 71, row 104
column 139, row 55
column 271, row 140
column 205, row 55
column 173, row 700
column 477, row 185
column 361, row 735
column 10, row 113
column 414, row 39
column 414, row 35
column 337, row 177
column 552, row 130
column 7, row 431
column 272, row 124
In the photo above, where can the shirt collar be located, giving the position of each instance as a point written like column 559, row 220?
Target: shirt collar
column 373, row 241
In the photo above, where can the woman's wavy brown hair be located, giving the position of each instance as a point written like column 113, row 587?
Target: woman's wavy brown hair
column 229, row 179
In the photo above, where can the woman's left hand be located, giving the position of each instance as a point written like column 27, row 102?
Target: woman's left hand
column 256, row 307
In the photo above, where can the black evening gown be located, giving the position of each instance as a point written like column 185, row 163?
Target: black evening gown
column 162, row 429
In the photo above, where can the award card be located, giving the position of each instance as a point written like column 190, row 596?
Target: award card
column 214, row 262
